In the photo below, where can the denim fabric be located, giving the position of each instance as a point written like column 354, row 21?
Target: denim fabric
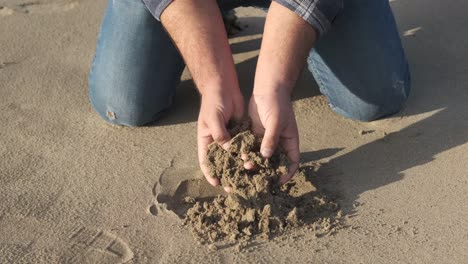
column 359, row 64
column 136, row 67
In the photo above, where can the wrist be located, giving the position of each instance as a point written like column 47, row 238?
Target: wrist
column 268, row 84
column 218, row 87
column 283, row 91
column 218, row 93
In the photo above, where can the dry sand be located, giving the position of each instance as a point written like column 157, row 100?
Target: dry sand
column 73, row 188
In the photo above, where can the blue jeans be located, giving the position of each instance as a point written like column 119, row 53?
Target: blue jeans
column 360, row 65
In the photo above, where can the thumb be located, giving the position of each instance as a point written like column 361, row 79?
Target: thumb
column 219, row 132
column 270, row 141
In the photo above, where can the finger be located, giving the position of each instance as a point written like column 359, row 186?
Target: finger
column 227, row 189
column 292, row 168
column 244, row 156
column 203, row 142
column 257, row 127
column 211, row 180
column 249, row 165
column 270, row 140
column 206, row 172
column 291, row 148
column 219, row 132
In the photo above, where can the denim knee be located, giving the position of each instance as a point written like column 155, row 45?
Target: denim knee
column 136, row 67
column 367, row 113
column 128, row 112
column 128, row 94
column 391, row 101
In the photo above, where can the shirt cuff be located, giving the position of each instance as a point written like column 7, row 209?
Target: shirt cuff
column 317, row 13
column 156, row 7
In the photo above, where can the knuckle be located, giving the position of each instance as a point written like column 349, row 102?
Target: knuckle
column 219, row 137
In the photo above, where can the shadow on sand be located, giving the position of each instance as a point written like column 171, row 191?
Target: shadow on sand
column 439, row 90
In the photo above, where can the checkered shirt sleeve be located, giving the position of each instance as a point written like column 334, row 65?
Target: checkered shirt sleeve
column 318, row 13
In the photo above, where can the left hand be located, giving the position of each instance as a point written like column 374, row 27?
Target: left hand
column 273, row 117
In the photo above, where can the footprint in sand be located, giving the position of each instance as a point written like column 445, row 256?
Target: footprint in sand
column 89, row 245
column 175, row 185
column 38, row 7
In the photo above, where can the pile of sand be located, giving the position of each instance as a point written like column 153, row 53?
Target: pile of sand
column 257, row 207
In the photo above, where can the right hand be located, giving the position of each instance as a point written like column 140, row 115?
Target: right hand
column 217, row 108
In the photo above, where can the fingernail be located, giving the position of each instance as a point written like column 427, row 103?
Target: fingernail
column 266, row 152
column 226, row 146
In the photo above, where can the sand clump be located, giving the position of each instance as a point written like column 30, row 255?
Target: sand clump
column 257, row 207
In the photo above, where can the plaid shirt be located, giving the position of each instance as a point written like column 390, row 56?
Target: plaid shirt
column 318, row 13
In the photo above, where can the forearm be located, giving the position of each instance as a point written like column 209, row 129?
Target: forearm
column 198, row 31
column 287, row 41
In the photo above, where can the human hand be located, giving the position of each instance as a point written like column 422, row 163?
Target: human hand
column 217, row 108
column 273, row 117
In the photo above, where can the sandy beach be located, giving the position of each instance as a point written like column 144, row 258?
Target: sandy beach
column 74, row 189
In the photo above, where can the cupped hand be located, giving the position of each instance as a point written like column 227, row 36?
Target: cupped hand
column 216, row 109
column 273, row 117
